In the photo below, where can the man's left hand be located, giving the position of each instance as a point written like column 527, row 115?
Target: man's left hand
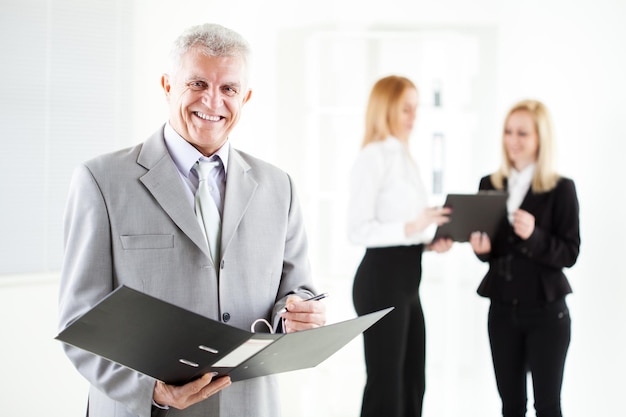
column 303, row 315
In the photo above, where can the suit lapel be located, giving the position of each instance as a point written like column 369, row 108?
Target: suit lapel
column 163, row 181
column 532, row 201
column 240, row 187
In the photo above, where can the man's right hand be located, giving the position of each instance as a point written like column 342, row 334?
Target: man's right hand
column 193, row 392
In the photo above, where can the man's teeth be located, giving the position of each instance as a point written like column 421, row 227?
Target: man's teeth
column 207, row 117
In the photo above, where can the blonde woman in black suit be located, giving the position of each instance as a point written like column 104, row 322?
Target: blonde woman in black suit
column 529, row 323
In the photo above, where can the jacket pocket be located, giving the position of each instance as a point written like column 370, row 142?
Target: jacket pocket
column 134, row 242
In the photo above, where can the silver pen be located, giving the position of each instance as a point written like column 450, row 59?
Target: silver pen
column 314, row 298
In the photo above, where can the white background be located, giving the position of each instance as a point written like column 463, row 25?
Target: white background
column 82, row 77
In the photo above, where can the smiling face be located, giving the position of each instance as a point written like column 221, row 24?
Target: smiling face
column 205, row 97
column 521, row 140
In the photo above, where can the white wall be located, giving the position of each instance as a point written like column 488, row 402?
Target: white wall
column 567, row 53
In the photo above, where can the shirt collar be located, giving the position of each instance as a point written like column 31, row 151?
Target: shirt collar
column 185, row 155
column 523, row 177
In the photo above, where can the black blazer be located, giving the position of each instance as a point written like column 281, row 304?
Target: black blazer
column 531, row 271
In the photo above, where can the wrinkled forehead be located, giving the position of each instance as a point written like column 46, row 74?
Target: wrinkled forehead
column 202, row 64
column 177, row 55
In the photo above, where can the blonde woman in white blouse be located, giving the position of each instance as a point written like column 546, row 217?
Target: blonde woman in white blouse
column 389, row 216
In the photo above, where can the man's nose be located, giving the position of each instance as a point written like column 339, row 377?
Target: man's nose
column 211, row 99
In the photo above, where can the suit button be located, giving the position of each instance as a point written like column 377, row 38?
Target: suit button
column 226, row 317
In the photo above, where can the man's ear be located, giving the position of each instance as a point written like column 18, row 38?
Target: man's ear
column 247, row 97
column 165, row 83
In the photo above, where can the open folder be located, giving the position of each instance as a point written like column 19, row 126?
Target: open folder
column 480, row 212
column 176, row 346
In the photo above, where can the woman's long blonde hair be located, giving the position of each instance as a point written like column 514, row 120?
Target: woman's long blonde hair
column 383, row 107
column 545, row 176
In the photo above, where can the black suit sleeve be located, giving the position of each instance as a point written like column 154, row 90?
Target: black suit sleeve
column 559, row 246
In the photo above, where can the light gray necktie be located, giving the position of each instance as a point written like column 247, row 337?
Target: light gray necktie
column 206, row 208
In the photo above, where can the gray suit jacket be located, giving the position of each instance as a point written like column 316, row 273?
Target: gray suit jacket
column 128, row 221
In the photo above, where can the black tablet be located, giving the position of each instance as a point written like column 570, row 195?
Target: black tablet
column 481, row 212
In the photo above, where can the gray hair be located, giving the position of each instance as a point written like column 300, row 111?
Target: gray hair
column 213, row 39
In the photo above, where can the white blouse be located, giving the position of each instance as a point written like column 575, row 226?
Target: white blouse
column 386, row 192
column 518, row 186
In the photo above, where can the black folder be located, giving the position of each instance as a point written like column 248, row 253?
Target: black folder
column 481, row 212
column 176, row 346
